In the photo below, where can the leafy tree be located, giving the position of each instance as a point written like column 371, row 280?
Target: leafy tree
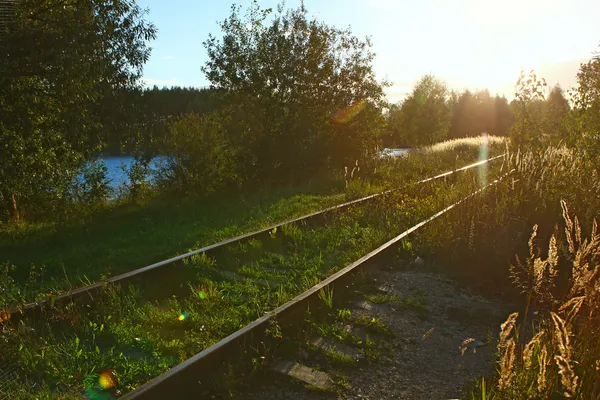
column 504, row 117
column 393, row 135
column 556, row 117
column 463, row 114
column 586, row 110
column 156, row 108
column 528, row 108
column 289, row 78
column 425, row 115
column 66, row 67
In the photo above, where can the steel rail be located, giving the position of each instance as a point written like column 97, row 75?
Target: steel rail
column 178, row 379
column 89, row 290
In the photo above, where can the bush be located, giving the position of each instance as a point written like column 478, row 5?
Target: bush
column 92, row 187
column 138, row 174
column 199, row 156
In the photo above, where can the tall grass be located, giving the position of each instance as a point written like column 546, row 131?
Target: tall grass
column 562, row 354
column 454, row 144
column 549, row 348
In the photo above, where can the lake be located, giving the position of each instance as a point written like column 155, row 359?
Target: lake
column 393, row 152
column 115, row 173
column 118, row 177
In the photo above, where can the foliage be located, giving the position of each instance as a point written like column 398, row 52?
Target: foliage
column 528, row 129
column 138, row 175
column 561, row 278
column 556, row 121
column 140, row 333
column 586, row 112
column 562, row 355
column 156, row 108
column 93, row 187
column 476, row 113
column 424, row 117
column 200, row 159
column 108, row 241
column 298, row 86
column 68, row 64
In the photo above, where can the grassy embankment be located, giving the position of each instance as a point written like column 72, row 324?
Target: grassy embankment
column 549, row 348
column 139, row 336
column 48, row 256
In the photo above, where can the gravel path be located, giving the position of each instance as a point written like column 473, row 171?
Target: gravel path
column 426, row 360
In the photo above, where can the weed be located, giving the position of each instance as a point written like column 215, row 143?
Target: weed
column 326, row 295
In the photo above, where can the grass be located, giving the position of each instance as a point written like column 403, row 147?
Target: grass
column 548, row 348
column 130, row 237
column 455, row 144
column 50, row 257
column 139, row 334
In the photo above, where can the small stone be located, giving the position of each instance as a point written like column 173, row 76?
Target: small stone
column 304, row 354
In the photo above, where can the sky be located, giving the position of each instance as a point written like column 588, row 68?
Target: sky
column 469, row 44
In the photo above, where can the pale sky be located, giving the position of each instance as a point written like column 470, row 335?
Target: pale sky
column 469, row 44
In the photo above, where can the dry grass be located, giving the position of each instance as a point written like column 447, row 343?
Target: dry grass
column 476, row 141
column 564, row 353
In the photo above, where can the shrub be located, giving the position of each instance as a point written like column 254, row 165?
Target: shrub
column 138, row 174
column 200, row 158
column 92, row 187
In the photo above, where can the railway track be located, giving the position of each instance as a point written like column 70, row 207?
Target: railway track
column 86, row 293
column 179, row 380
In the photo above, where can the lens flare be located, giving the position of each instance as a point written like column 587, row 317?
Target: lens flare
column 107, row 379
column 202, row 295
column 483, row 155
column 347, row 114
column 182, row 317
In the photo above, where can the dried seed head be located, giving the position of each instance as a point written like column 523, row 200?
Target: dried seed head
column 507, row 328
column 463, row 346
column 507, row 365
column 530, row 349
column 561, row 334
column 552, row 259
column 543, row 363
column 571, row 308
column 568, row 379
column 532, row 242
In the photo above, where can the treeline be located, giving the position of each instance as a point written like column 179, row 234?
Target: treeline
column 432, row 113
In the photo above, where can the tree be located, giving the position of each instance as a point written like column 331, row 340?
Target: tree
column 289, row 78
column 528, row 107
column 68, row 64
column 556, row 117
column 425, row 114
column 586, row 110
column 504, row 117
column 476, row 113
